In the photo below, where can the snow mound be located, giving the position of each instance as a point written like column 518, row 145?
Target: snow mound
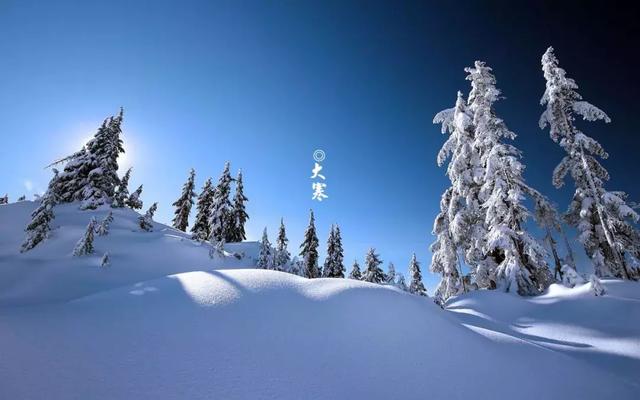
column 49, row 272
column 257, row 334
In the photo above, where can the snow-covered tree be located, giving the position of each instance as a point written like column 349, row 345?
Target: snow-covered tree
column 596, row 286
column 238, row 214
column 40, row 226
column 217, row 250
column 416, row 286
column 444, row 260
column 265, row 257
column 603, row 218
column 4, row 199
column 309, row 249
column 184, row 203
column 200, row 229
column 105, row 261
column 334, row 263
column 283, row 257
column 103, row 227
column 85, row 244
column 570, row 276
column 518, row 259
column 390, row 276
column 121, row 194
column 373, row 273
column 219, row 220
column 134, row 201
column 146, row 221
column 355, row 271
column 401, row 283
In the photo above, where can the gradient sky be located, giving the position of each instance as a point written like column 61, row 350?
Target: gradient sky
column 263, row 84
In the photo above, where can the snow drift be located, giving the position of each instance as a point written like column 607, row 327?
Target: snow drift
column 162, row 323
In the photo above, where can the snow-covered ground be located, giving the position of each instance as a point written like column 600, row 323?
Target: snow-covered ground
column 166, row 322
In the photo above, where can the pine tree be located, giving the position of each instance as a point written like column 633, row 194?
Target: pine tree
column 200, row 229
column 338, row 268
column 122, row 191
column 40, row 226
column 309, row 249
column 238, row 214
column 265, row 258
column 219, row 221
column 283, row 256
column 134, row 201
column 401, row 283
column 85, row 244
column 390, row 276
column 416, row 286
column 355, row 271
column 184, row 203
column 460, row 227
column 603, row 218
column 596, row 286
column 518, row 260
column 146, row 220
column 103, row 228
column 327, row 269
column 373, row 273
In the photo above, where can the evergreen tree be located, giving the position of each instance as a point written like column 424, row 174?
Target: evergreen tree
column 355, row 271
column 416, row 286
column 390, row 276
column 239, row 214
column 200, row 229
column 444, row 260
column 85, row 244
column 134, row 201
column 219, row 221
column 373, row 273
column 283, row 256
column 327, row 269
column 265, row 258
column 40, row 226
column 5, row 199
column 122, row 191
column 103, row 228
column 146, row 220
column 338, row 268
column 309, row 250
column 518, row 260
column 596, row 286
column 184, row 203
column 603, row 218
column 401, row 283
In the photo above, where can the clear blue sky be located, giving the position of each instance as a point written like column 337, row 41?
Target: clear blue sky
column 264, row 84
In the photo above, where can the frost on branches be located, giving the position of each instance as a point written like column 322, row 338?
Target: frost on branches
column 238, row 213
column 416, row 286
column 85, row 244
column 219, row 219
column 373, row 273
column 40, row 226
column 200, row 229
column 355, row 271
column 334, row 263
column 146, row 221
column 283, row 257
column 309, row 250
column 265, row 258
column 602, row 218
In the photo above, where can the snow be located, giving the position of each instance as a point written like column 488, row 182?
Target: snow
column 164, row 321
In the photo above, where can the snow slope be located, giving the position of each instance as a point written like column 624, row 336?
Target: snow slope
column 49, row 272
column 162, row 323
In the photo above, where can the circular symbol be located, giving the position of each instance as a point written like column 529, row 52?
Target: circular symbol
column 319, row 155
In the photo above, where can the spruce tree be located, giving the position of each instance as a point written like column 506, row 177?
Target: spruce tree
column 604, row 220
column 390, row 276
column 134, row 201
column 338, row 268
column 40, row 226
column 184, row 203
column 327, row 269
column 309, row 249
column 219, row 221
column 85, row 244
column 122, row 191
column 265, row 258
column 239, row 214
column 355, row 271
column 401, row 283
column 200, row 229
column 416, row 286
column 373, row 273
column 103, row 228
column 146, row 221
column 283, row 256
column 518, row 260
column 444, row 260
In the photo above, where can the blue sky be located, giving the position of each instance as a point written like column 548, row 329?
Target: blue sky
column 264, row 84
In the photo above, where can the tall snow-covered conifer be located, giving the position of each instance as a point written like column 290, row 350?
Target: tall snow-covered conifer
column 200, row 229
column 603, row 218
column 40, row 226
column 238, row 213
column 184, row 203
column 355, row 271
column 334, row 264
column 416, row 286
column 283, row 257
column 146, row 221
column 122, row 191
column 309, row 249
column 219, row 220
column 134, row 201
column 265, row 258
column 444, row 260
